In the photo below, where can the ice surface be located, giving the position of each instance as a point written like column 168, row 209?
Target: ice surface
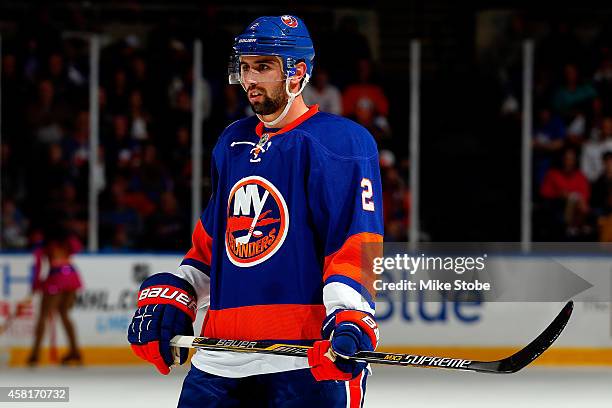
column 142, row 386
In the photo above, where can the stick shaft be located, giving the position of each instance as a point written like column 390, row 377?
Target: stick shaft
column 264, row 347
column 507, row 365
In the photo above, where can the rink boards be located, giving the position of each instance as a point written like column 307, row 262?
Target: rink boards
column 471, row 330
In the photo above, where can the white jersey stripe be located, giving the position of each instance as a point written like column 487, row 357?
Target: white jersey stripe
column 337, row 295
column 348, row 394
column 362, row 388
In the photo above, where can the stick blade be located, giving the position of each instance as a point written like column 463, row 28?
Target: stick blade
column 533, row 350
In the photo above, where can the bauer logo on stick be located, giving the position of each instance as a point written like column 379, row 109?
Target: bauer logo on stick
column 257, row 221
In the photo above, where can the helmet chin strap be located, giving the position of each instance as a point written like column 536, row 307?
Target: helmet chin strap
column 292, row 97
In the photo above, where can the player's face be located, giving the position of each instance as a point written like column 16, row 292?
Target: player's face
column 263, row 79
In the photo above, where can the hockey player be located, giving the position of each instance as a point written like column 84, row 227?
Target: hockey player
column 277, row 252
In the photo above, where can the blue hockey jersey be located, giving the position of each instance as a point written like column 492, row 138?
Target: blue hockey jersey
column 279, row 245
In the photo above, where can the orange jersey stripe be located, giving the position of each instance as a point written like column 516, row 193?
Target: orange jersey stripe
column 201, row 249
column 347, row 260
column 261, row 322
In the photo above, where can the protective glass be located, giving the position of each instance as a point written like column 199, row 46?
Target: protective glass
column 246, row 74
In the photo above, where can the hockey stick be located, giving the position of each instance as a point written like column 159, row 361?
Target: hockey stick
column 507, row 365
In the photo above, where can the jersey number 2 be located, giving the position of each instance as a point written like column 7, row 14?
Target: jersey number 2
column 366, row 195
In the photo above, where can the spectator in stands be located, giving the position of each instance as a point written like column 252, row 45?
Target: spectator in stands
column 118, row 148
column 235, row 108
column 69, row 207
column 364, row 89
column 76, row 151
column 604, row 221
column 180, row 164
column 14, row 226
column 139, row 77
column 548, row 140
column 118, row 93
column 365, row 115
column 13, row 90
column 76, row 62
column 567, row 180
column 47, row 116
column 56, row 73
column 595, row 118
column 602, row 187
column 593, row 150
column 396, row 199
column 321, row 92
column 151, row 177
column 120, row 209
column 167, row 228
column 105, row 117
column 180, row 110
column 205, row 107
column 355, row 47
column 602, row 80
column 119, row 241
column 180, row 157
column 30, row 60
column 140, row 120
column 50, row 175
column 11, row 172
column 576, row 127
column 574, row 95
column 567, row 192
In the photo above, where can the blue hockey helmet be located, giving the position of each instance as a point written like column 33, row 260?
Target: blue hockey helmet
column 283, row 36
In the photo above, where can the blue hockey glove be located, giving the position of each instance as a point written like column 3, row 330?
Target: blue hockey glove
column 166, row 308
column 350, row 331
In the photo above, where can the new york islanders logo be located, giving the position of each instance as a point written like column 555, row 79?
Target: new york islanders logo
column 289, row 21
column 257, row 221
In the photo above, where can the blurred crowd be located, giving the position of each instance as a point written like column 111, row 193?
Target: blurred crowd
column 144, row 167
column 572, row 131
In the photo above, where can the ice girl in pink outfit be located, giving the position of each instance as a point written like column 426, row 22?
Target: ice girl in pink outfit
column 58, row 288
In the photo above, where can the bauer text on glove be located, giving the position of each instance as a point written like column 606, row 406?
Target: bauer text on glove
column 166, row 308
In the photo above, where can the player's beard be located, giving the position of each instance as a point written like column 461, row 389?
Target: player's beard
column 270, row 104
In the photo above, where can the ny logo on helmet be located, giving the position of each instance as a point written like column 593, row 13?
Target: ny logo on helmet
column 289, row 21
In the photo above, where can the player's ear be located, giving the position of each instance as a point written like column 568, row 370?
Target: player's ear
column 300, row 73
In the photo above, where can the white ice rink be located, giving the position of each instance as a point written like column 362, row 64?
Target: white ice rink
column 131, row 387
